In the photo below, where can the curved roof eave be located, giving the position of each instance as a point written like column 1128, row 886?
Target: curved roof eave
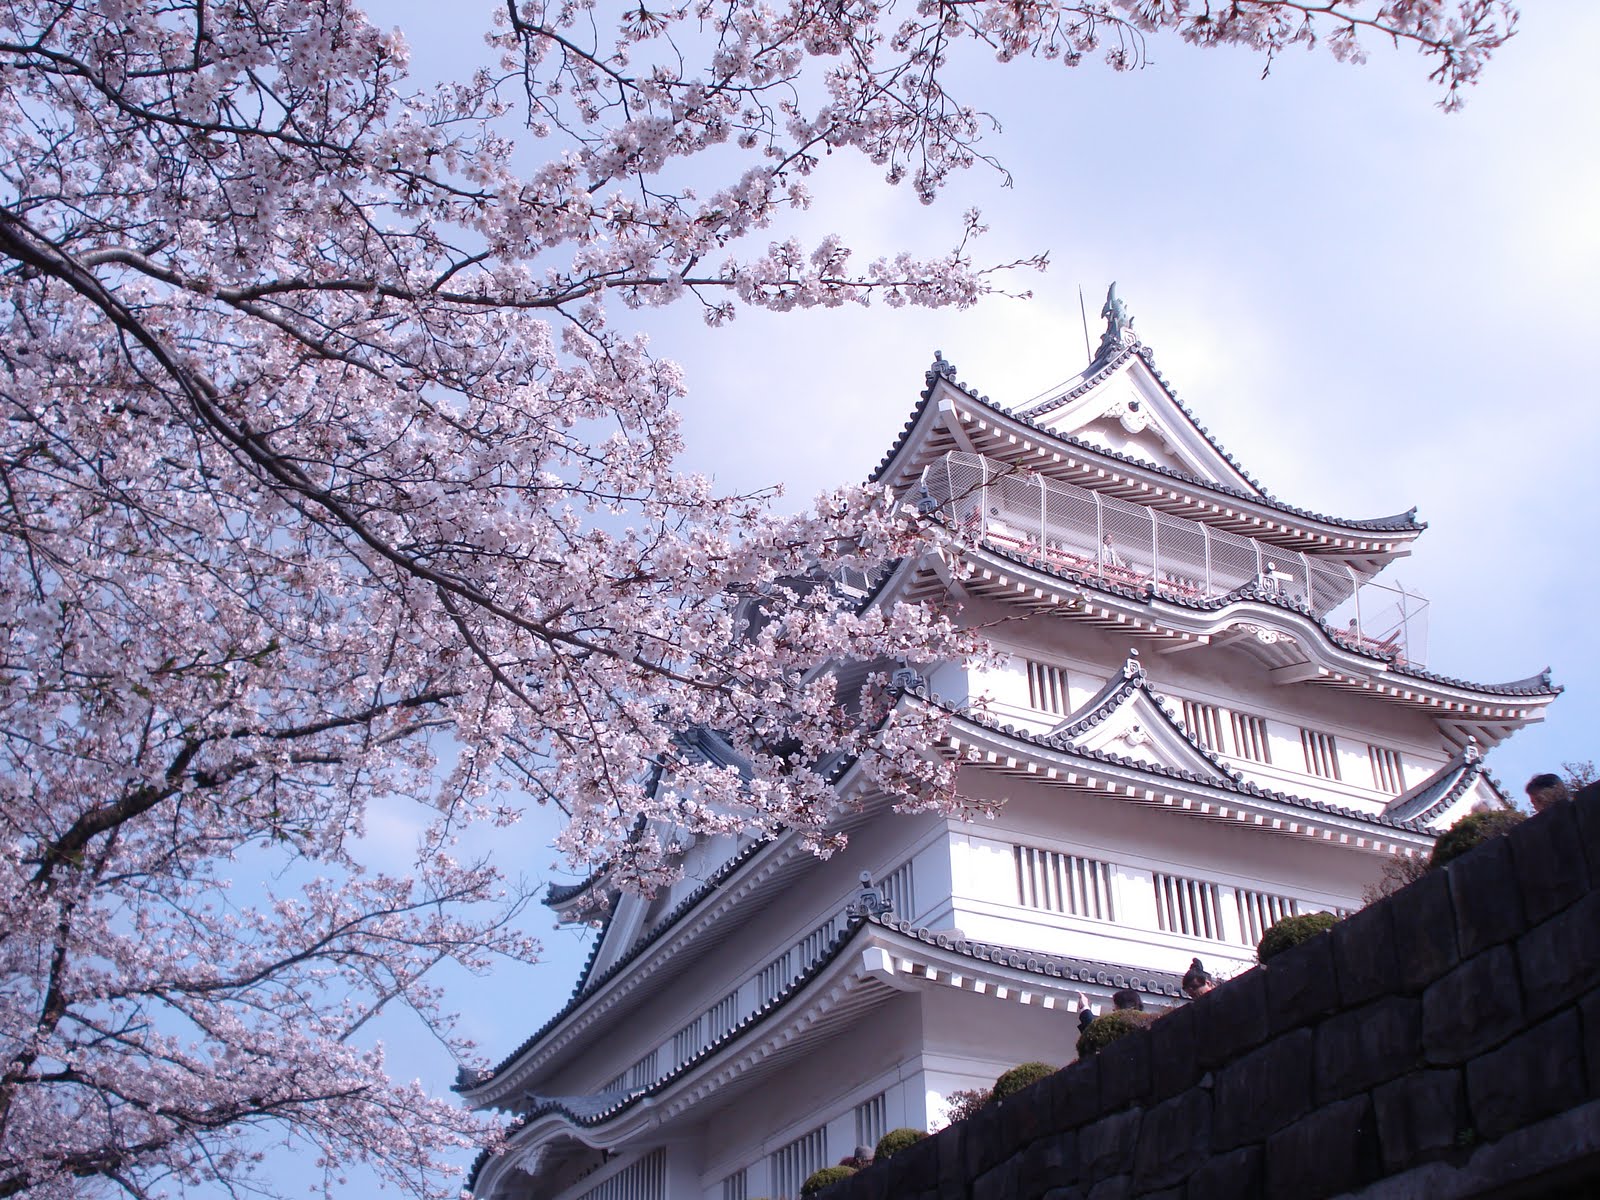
column 1252, row 793
column 1402, row 525
column 1535, row 686
column 587, row 1113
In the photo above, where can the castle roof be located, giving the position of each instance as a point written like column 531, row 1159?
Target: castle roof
column 1229, row 487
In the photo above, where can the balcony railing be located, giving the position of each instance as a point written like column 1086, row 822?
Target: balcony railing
column 1064, row 526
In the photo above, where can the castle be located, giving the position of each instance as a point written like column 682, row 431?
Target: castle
column 1209, row 712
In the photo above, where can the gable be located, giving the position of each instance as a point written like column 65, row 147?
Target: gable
column 1126, row 721
column 1127, row 409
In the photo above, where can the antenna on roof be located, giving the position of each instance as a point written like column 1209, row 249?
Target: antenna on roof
column 1084, row 312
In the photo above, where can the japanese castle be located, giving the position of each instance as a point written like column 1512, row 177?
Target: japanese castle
column 1211, row 712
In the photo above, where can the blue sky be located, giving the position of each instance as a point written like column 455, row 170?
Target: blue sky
column 1370, row 303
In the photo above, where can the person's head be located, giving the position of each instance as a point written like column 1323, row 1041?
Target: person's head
column 1545, row 790
column 1127, row 998
column 1197, row 981
column 1106, row 541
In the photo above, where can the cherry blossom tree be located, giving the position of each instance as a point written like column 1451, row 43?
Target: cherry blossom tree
column 327, row 492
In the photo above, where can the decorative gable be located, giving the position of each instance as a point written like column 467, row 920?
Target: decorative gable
column 1126, row 719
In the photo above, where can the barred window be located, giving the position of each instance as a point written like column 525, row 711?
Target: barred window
column 689, row 1040
column 1188, row 906
column 643, row 1073
column 899, row 889
column 736, row 1186
column 1047, row 688
column 1250, row 738
column 1259, row 911
column 793, row 1164
column 722, row 1016
column 774, row 976
column 872, row 1119
column 1386, row 773
column 1063, row 883
column 1204, row 722
column 1322, row 753
column 643, row 1180
column 814, row 943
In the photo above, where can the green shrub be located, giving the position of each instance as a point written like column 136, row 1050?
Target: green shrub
column 1472, row 830
column 1019, row 1077
column 1291, row 931
column 1108, row 1027
column 895, row 1141
column 818, row 1180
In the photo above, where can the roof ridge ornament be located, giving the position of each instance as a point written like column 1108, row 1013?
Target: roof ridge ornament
column 941, row 368
column 1119, row 326
column 1133, row 670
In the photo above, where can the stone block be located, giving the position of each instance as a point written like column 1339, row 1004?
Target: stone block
column 1115, row 1188
column 1174, row 1141
column 1547, row 853
column 1366, row 1046
column 1073, row 1094
column 1587, row 810
column 1333, row 1150
column 1534, row 1075
column 1105, row 1148
column 1425, row 931
column 1064, row 1193
column 1263, row 1091
column 914, row 1169
column 1233, row 1176
column 1364, row 954
column 1231, row 1020
column 998, row 1182
column 981, row 1141
column 1559, row 959
column 1173, row 1065
column 1301, row 985
column 1051, row 1162
column 1420, row 1116
column 953, row 1177
column 1473, row 1008
column 1124, row 1071
column 1023, row 1117
column 1483, row 889
column 1589, row 1011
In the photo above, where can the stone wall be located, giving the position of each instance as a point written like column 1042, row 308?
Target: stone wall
column 1443, row 1043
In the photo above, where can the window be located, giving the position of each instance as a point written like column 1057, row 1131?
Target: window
column 815, row 942
column 872, row 1119
column 735, row 1186
column 722, row 1016
column 1250, row 738
column 899, row 889
column 643, row 1180
column 793, row 1164
column 615, row 1086
column 689, row 1040
column 1322, row 753
column 773, row 977
column 643, row 1073
column 1188, row 906
column 1047, row 689
column 1063, row 883
column 1259, row 911
column 1386, row 773
column 1204, row 722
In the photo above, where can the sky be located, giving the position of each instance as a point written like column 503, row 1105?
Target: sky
column 1370, row 303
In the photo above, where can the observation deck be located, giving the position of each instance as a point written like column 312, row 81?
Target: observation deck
column 1063, row 527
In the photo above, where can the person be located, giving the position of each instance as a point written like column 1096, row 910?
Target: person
column 1085, row 1013
column 1126, row 999
column 1546, row 790
column 1108, row 554
column 1197, row 981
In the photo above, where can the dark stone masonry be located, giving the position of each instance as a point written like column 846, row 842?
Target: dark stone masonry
column 1442, row 1044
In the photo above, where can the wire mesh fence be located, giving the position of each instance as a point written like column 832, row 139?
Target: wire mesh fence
column 1065, row 526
